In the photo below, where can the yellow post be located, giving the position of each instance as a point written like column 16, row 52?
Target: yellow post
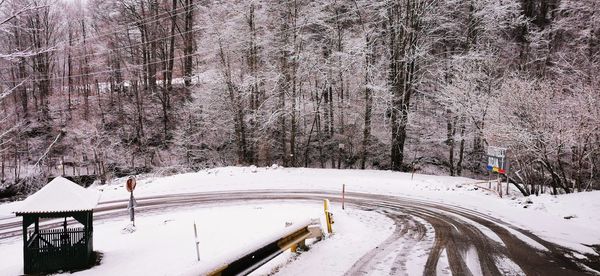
column 327, row 216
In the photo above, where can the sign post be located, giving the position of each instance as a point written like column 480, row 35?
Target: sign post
column 497, row 162
column 130, row 185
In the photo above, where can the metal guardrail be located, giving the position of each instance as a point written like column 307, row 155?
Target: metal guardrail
column 257, row 257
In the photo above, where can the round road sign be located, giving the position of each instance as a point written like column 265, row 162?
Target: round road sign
column 130, row 184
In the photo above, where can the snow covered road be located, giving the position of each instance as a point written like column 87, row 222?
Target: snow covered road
column 429, row 238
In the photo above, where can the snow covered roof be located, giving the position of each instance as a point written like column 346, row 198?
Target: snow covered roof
column 60, row 195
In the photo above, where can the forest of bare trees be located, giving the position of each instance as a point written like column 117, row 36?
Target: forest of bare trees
column 115, row 87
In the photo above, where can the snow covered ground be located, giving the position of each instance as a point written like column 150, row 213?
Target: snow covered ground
column 544, row 216
column 163, row 243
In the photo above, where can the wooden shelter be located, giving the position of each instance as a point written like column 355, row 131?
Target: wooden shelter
column 60, row 245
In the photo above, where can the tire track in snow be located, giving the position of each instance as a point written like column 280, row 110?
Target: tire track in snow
column 407, row 234
column 530, row 259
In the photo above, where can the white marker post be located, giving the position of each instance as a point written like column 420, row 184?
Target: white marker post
column 197, row 241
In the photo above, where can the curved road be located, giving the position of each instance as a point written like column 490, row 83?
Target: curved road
column 469, row 242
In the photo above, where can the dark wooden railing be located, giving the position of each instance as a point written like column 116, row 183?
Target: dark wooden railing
column 58, row 248
column 60, row 238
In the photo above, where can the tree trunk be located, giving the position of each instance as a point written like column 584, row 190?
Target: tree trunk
column 152, row 37
column 21, row 74
column 461, row 150
column 70, row 70
column 368, row 104
column 86, row 72
column 188, row 43
column 237, row 108
column 451, row 130
column 403, row 38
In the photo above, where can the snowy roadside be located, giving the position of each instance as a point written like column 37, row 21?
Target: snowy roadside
column 544, row 217
column 167, row 237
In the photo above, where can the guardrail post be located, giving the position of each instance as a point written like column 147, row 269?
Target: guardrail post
column 301, row 245
column 328, row 216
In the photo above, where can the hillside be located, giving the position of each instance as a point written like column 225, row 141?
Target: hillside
column 113, row 88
